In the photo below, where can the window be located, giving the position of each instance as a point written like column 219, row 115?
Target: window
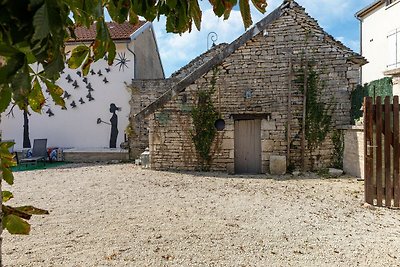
column 393, row 40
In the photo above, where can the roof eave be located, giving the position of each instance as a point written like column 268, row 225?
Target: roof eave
column 366, row 10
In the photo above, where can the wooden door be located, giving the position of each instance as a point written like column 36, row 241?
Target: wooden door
column 247, row 146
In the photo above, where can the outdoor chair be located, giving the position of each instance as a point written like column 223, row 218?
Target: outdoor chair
column 39, row 153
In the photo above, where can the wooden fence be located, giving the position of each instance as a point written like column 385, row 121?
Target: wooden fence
column 382, row 151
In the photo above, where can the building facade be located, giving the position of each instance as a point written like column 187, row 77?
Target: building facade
column 380, row 41
column 256, row 91
column 97, row 106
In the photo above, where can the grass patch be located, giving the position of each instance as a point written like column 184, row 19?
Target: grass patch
column 38, row 166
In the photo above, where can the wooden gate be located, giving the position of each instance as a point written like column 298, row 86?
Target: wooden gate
column 381, row 152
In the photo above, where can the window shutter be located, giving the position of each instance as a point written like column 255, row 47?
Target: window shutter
column 391, row 52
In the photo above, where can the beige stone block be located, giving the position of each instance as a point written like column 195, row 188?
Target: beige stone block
column 267, row 145
column 231, row 154
column 268, row 125
column 277, row 165
column 228, row 144
column 229, row 134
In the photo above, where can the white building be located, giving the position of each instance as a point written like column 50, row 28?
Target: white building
column 380, row 41
column 88, row 99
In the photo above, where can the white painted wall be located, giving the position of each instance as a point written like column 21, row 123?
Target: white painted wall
column 376, row 48
column 77, row 127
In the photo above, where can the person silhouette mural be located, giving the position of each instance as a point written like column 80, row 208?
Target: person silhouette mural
column 114, row 125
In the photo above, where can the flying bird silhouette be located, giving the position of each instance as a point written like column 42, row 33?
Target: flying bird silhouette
column 81, row 100
column 89, row 96
column 68, row 78
column 89, row 87
column 75, row 84
column 73, row 104
column 50, row 112
column 66, row 95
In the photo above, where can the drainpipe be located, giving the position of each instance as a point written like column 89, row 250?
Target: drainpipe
column 134, row 60
column 361, row 46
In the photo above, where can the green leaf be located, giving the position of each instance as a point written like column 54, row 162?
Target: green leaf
column 7, row 175
column 36, row 98
column 32, row 210
column 111, row 53
column 55, row 92
column 133, row 17
column 261, row 5
column 172, row 3
column 41, row 23
column 79, row 54
column 195, row 13
column 5, row 97
column 86, row 66
column 218, row 7
column 6, row 196
column 245, row 11
column 15, row 225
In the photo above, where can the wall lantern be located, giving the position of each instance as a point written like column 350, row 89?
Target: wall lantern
column 219, row 124
column 248, row 94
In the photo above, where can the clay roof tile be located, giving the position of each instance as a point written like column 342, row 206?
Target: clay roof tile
column 118, row 31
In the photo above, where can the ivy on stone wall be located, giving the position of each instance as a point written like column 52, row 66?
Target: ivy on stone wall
column 382, row 87
column 318, row 114
column 204, row 115
column 338, row 149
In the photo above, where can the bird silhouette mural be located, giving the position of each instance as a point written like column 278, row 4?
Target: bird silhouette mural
column 75, row 84
column 69, row 79
column 81, row 101
column 66, row 95
column 73, row 104
column 50, row 113
column 85, row 80
column 89, row 87
column 89, row 97
column 105, row 80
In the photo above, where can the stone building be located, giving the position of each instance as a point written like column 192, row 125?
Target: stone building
column 257, row 94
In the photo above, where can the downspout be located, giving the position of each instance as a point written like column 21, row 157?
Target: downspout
column 361, row 47
column 134, row 59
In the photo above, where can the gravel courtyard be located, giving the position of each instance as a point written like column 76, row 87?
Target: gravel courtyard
column 121, row 215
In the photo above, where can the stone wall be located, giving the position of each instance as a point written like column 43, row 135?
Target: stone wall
column 353, row 158
column 143, row 93
column 255, row 80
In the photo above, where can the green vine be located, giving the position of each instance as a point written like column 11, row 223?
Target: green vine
column 204, row 115
column 338, row 148
column 318, row 115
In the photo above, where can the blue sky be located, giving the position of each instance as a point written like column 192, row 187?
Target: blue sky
column 335, row 16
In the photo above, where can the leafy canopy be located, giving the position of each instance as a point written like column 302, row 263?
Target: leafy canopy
column 35, row 31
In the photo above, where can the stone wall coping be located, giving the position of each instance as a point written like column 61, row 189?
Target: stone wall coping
column 351, row 127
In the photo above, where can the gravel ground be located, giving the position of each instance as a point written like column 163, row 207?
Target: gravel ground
column 120, row 215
